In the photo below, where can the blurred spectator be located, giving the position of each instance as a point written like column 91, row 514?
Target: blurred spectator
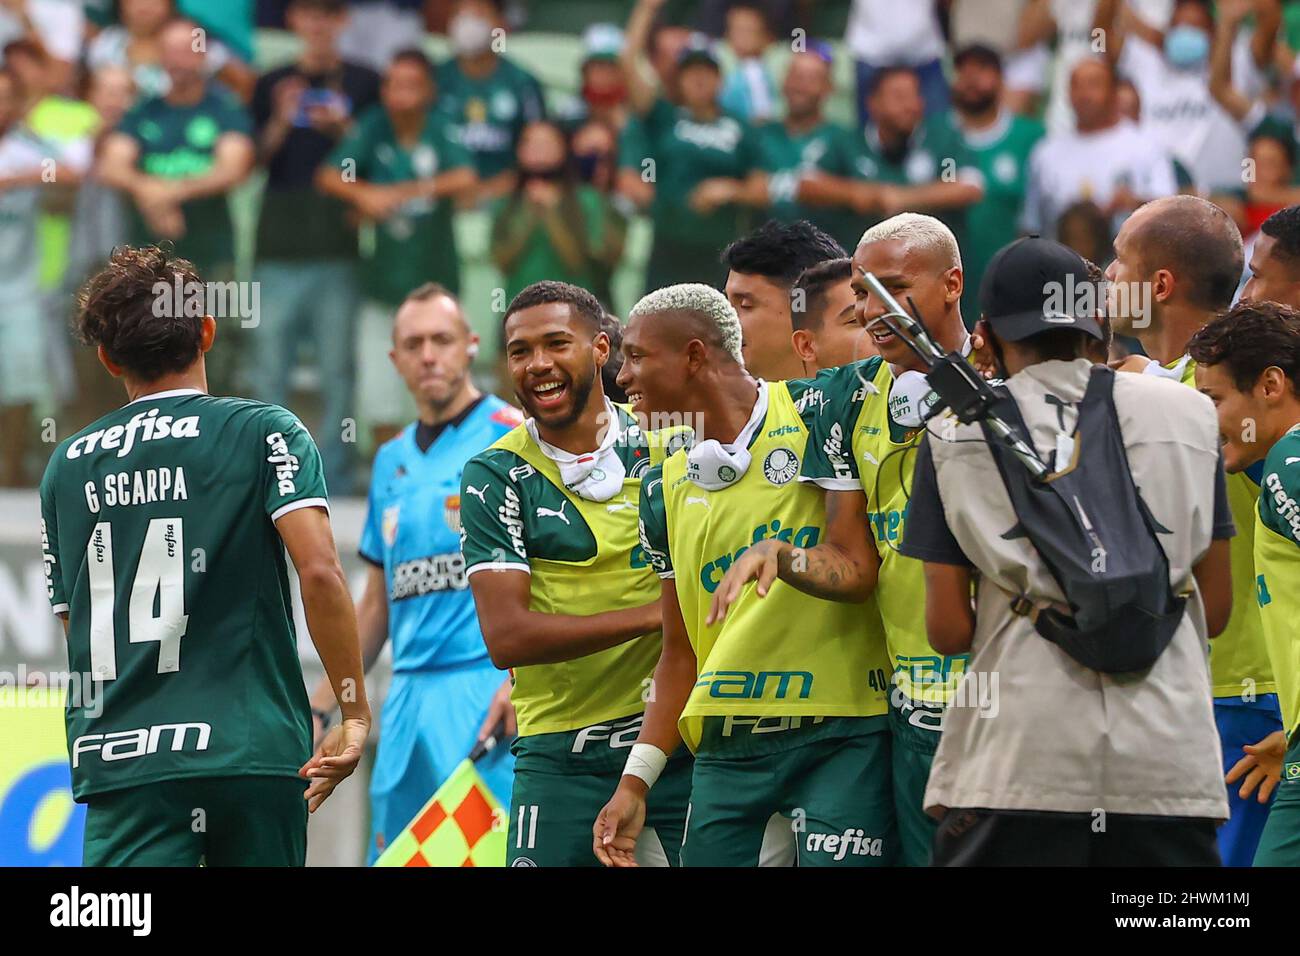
column 602, row 92
column 1238, row 58
column 401, row 169
column 805, row 141
column 902, row 162
column 1270, row 178
column 1170, row 70
column 57, row 26
column 595, row 154
column 1034, row 68
column 24, row 167
column 990, row 23
column 1106, row 159
column 135, row 44
column 178, row 156
column 552, row 227
column 748, row 92
column 1000, row 142
column 1086, row 229
column 306, row 249
column 378, row 29
column 488, row 98
column 694, row 157
column 711, row 15
column 886, row 33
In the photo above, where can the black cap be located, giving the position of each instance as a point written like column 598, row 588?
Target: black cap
column 1034, row 285
column 698, row 49
column 980, row 52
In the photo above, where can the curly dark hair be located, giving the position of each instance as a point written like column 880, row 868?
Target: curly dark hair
column 129, row 309
column 1248, row 338
column 548, row 291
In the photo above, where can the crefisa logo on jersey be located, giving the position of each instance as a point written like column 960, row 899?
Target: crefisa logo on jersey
column 286, row 465
column 146, row 426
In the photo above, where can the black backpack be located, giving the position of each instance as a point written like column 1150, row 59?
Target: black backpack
column 1092, row 529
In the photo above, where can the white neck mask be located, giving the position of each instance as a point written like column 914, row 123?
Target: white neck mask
column 595, row 475
column 711, row 465
column 910, row 398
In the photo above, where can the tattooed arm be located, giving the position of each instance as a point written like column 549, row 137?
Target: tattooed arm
column 841, row 568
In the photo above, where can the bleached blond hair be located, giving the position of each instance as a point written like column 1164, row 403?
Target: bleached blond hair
column 917, row 231
column 704, row 301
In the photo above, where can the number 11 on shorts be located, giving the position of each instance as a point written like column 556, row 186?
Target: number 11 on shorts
column 532, row 828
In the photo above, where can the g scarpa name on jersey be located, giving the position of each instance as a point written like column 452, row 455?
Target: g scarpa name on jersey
column 146, row 426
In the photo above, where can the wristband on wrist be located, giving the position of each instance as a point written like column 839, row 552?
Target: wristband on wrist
column 647, row 762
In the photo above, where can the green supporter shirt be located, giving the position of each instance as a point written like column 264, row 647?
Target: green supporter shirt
column 417, row 243
column 933, row 152
column 828, row 148
column 1277, row 570
column 158, row 528
column 179, row 142
column 685, row 153
column 487, row 115
column 587, row 212
column 1001, row 153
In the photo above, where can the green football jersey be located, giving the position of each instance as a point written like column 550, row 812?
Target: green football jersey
column 934, row 152
column 686, row 152
column 582, row 557
column 1277, row 570
column 1001, row 153
column 487, row 114
column 178, row 142
column 854, row 444
column 828, row 148
column 158, row 526
column 416, row 244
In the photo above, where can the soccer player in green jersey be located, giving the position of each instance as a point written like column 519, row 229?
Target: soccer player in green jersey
column 565, row 594
column 783, row 701
column 1275, row 260
column 1177, row 263
column 861, row 450
column 164, row 526
column 1248, row 363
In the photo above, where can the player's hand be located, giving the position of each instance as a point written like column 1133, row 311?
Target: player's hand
column 1262, row 767
column 334, row 760
column 619, row 824
column 500, row 709
column 760, row 563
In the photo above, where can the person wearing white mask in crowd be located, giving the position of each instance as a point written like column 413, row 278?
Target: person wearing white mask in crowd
column 489, row 98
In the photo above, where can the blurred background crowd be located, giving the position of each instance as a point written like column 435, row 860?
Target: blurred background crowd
column 330, row 156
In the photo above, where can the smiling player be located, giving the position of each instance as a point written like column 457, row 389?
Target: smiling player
column 566, row 597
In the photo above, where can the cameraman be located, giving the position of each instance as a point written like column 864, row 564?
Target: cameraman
column 1076, row 766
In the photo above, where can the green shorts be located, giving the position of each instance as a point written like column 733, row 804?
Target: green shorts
column 214, row 821
column 563, row 781
column 1279, row 844
column 781, row 791
column 914, row 727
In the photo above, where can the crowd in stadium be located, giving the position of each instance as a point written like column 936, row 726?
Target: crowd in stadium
column 1002, row 116
column 692, row 223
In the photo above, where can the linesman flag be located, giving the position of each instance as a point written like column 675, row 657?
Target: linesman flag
column 463, row 824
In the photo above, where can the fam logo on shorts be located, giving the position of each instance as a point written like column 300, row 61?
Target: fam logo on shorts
column 780, row 466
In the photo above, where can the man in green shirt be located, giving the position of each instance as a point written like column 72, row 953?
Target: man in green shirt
column 487, row 98
column 1248, row 363
column 902, row 161
column 807, row 140
column 698, row 159
column 178, row 156
column 399, row 168
column 999, row 141
column 164, row 527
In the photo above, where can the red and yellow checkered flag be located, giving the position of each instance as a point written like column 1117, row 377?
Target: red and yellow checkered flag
column 461, row 825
